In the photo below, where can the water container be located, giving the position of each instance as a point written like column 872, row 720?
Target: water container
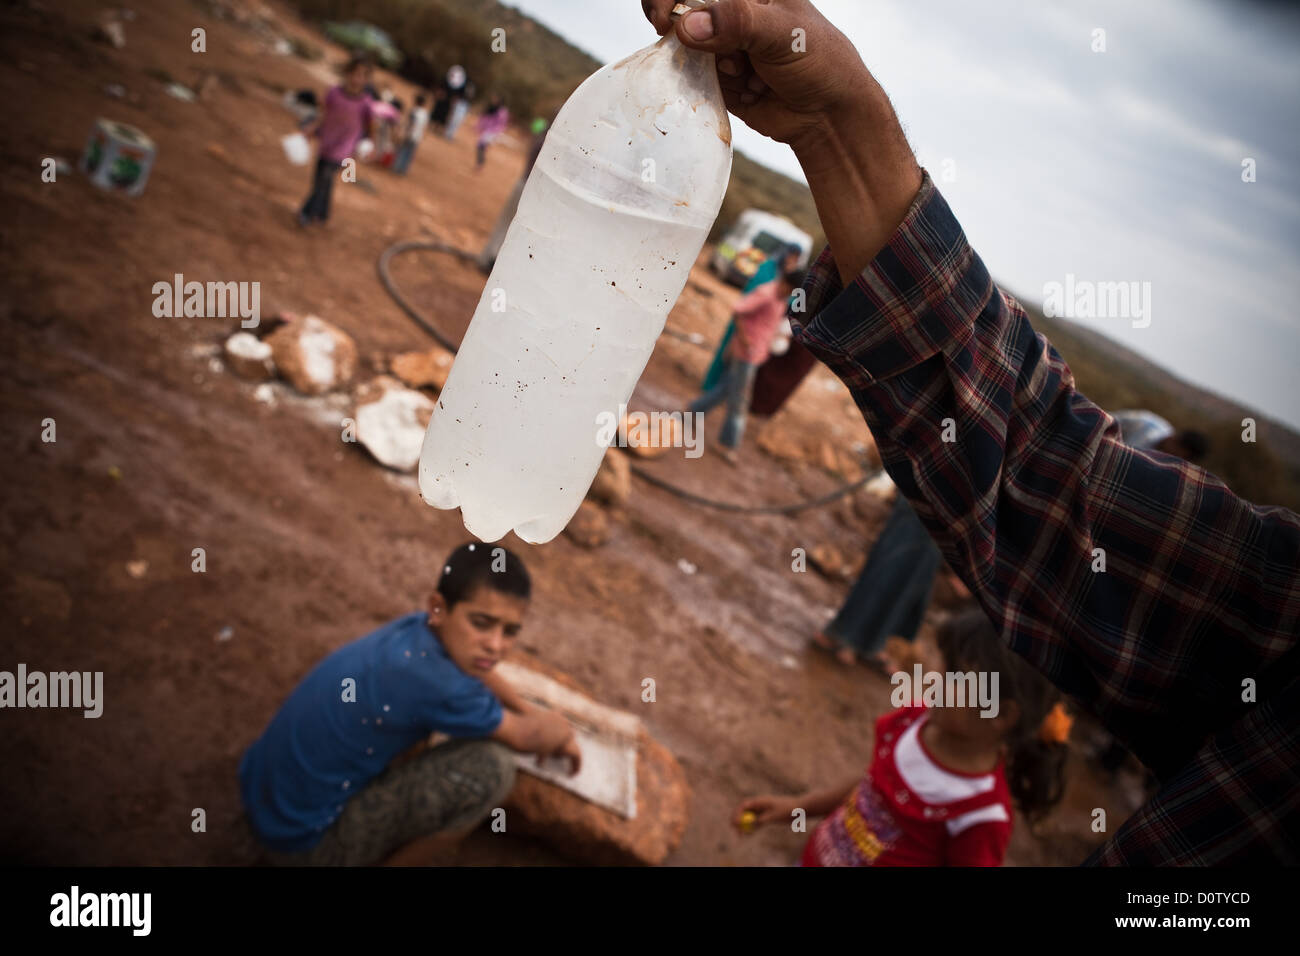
column 616, row 209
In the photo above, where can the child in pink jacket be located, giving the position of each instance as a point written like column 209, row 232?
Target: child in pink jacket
column 491, row 125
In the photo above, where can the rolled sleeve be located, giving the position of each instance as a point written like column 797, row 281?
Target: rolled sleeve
column 915, row 299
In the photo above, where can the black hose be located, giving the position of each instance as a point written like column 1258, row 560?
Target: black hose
column 412, row 245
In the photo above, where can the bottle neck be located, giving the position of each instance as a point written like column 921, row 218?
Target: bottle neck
column 684, row 7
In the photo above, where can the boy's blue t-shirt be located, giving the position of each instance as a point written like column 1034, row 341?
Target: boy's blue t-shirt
column 320, row 748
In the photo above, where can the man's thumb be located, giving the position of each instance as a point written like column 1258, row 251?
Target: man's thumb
column 720, row 27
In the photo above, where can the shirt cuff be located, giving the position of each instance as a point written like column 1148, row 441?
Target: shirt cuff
column 918, row 297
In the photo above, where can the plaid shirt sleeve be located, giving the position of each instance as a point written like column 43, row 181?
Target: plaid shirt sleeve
column 1027, row 488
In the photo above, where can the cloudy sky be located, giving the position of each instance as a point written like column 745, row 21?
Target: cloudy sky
column 1122, row 165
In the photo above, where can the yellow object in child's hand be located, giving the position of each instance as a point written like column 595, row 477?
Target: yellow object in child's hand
column 747, row 821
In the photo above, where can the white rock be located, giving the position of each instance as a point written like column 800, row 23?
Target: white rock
column 249, row 357
column 391, row 421
column 882, row 487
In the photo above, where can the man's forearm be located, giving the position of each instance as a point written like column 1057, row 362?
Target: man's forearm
column 863, row 177
column 1081, row 550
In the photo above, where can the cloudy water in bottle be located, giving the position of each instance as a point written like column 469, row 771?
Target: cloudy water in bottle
column 613, row 216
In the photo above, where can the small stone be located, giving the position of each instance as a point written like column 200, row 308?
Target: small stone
column 249, row 357
column 588, row 528
column 427, row 369
column 830, row 561
column 111, row 32
column 881, row 487
column 650, row 437
column 613, row 482
column 778, row 442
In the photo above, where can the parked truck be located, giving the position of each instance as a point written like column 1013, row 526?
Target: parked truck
column 755, row 236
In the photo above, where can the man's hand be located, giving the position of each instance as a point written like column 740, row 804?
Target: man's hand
column 783, row 67
column 788, row 73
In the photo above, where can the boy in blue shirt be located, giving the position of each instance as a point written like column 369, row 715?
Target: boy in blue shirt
column 317, row 786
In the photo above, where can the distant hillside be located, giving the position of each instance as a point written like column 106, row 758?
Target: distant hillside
column 542, row 69
column 536, row 76
column 1267, row 472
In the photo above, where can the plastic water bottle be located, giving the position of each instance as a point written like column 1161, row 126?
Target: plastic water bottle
column 616, row 210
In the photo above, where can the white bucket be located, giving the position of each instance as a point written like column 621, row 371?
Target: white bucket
column 296, row 148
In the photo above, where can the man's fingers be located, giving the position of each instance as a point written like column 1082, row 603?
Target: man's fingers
column 658, row 12
column 730, row 65
column 734, row 84
column 721, row 27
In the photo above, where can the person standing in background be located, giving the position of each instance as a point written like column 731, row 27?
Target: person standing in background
column 346, row 118
column 783, row 260
column 491, row 125
column 758, row 316
column 459, row 92
column 415, row 126
column 891, row 593
column 441, row 107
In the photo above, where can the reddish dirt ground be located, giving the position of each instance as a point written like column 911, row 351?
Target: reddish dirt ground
column 309, row 542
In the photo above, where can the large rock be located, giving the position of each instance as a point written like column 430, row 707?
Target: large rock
column 589, row 527
column 313, row 356
column 391, row 421
column 249, row 357
column 593, row 834
column 423, row 369
column 613, row 482
column 839, row 461
column 780, row 442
